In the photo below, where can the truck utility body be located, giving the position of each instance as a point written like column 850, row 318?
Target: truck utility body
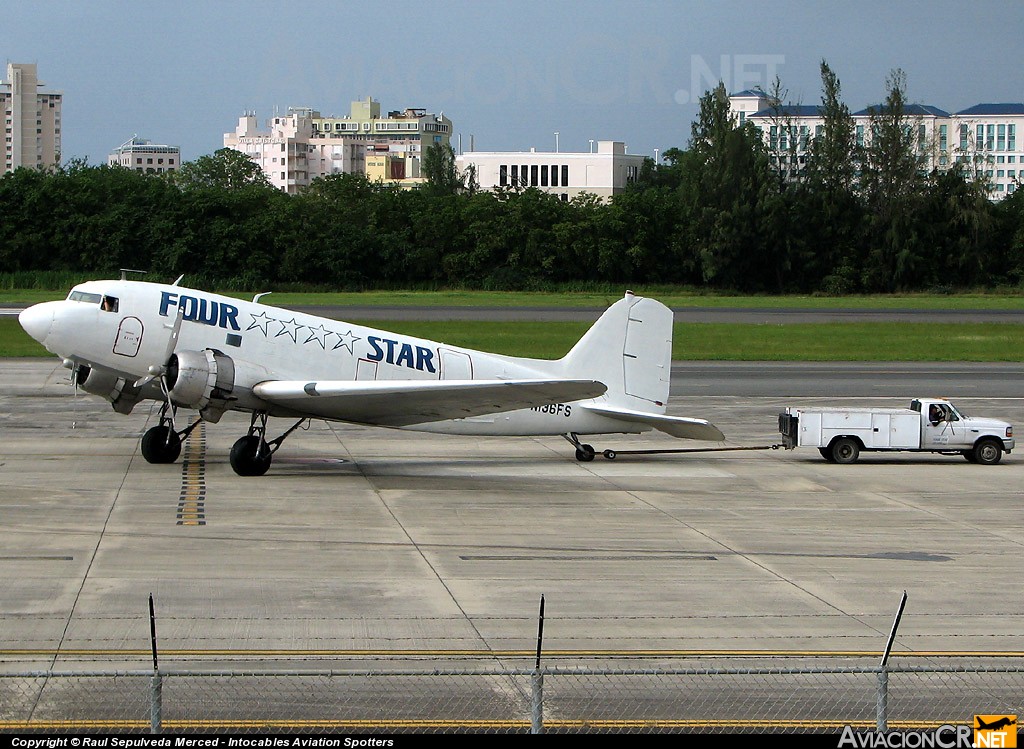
column 929, row 425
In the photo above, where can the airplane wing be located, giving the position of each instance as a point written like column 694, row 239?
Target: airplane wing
column 677, row 426
column 404, row 402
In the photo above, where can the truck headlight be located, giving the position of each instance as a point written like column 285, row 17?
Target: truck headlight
column 1009, row 431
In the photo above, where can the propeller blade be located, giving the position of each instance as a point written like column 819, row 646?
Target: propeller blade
column 159, row 370
column 172, row 341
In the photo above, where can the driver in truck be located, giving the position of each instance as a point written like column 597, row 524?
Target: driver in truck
column 936, row 414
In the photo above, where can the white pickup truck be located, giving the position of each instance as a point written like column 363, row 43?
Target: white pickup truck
column 929, row 425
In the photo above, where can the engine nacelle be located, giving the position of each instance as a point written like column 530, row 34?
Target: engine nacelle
column 122, row 395
column 202, row 380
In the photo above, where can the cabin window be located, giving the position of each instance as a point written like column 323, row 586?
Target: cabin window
column 109, row 304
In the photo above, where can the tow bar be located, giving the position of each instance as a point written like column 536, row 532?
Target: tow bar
column 612, row 454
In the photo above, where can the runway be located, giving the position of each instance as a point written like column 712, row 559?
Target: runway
column 374, row 541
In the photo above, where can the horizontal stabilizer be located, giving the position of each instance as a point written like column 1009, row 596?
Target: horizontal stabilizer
column 677, row 426
column 397, row 403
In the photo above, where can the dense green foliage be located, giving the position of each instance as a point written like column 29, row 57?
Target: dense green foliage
column 720, row 214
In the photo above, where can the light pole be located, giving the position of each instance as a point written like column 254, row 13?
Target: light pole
column 556, row 141
column 655, row 156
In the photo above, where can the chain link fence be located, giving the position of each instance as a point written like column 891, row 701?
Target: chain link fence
column 772, row 697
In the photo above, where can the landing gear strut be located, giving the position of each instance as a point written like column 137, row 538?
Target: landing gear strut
column 251, row 455
column 162, row 443
column 584, row 453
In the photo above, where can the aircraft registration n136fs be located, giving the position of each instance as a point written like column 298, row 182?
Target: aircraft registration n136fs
column 129, row 341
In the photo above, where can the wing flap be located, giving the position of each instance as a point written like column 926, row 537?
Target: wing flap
column 405, row 402
column 677, row 426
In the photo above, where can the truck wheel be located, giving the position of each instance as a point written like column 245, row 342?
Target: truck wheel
column 826, row 454
column 988, row 452
column 845, row 450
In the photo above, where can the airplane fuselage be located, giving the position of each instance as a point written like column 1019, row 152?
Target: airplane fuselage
column 121, row 329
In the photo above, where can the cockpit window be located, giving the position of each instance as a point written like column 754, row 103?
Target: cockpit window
column 109, row 304
column 83, row 296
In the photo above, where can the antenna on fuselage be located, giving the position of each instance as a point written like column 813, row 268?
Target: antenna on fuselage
column 261, row 294
column 178, row 280
column 126, row 271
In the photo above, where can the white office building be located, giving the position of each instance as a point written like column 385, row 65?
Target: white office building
column 982, row 137
column 32, row 120
column 145, row 156
column 603, row 172
column 303, row 145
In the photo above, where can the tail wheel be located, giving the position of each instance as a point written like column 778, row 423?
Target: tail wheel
column 585, row 453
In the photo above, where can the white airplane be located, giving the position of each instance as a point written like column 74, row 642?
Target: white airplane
column 130, row 341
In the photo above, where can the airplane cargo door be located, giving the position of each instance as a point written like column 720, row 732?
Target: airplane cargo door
column 455, row 365
column 647, row 352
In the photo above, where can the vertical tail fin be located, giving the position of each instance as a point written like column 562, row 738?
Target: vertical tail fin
column 629, row 349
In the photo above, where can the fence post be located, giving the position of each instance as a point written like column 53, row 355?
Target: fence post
column 882, row 700
column 537, row 681
column 156, row 682
column 156, row 701
column 537, row 702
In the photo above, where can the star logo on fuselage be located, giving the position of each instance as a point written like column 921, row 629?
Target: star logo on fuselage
column 289, row 328
column 346, row 340
column 319, row 335
column 261, row 322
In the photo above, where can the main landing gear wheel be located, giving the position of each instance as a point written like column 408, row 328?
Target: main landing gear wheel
column 251, row 456
column 161, row 444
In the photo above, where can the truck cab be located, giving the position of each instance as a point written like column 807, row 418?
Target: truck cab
column 944, row 427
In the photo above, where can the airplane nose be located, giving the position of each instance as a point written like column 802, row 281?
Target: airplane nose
column 37, row 320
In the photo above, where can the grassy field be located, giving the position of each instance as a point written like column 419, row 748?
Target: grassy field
column 704, row 341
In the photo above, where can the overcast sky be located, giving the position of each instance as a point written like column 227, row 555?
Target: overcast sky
column 508, row 74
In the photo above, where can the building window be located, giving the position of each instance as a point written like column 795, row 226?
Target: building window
column 544, row 175
column 963, row 137
column 1011, row 137
column 1001, row 138
column 565, row 175
column 860, row 135
column 533, row 175
column 990, row 139
column 515, row 175
column 503, row 175
column 554, row 175
column 942, row 137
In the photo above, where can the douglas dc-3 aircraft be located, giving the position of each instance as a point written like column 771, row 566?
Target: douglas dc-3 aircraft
column 130, row 341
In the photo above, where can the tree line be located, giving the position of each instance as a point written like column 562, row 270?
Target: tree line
column 729, row 212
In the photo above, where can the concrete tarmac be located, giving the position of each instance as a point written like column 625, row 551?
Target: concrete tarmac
column 363, row 539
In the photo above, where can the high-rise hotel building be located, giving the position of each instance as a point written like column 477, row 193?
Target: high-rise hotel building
column 32, row 120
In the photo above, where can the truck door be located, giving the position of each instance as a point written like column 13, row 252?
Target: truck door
column 939, row 427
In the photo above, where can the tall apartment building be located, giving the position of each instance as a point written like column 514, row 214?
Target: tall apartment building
column 32, row 120
column 983, row 138
column 304, row 145
column 145, row 156
column 604, row 173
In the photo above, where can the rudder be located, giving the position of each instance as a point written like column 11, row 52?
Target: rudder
column 629, row 349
